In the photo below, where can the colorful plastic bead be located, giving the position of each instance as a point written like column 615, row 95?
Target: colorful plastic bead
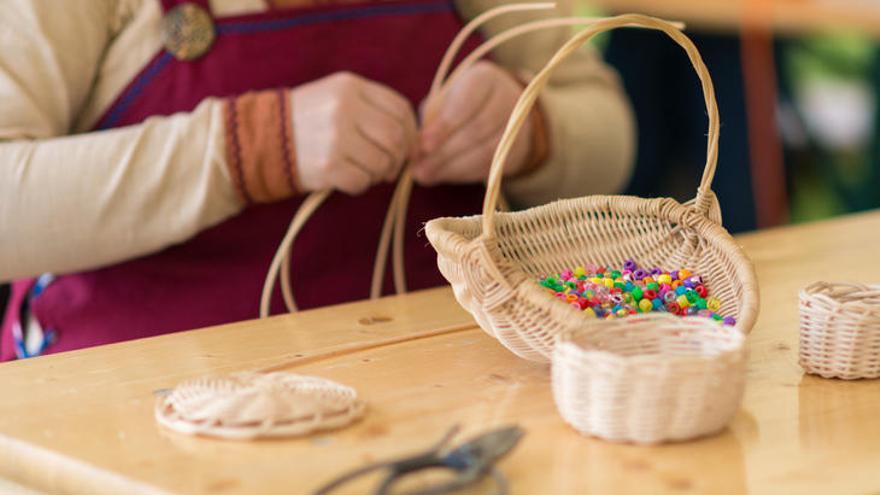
column 713, row 303
column 605, row 292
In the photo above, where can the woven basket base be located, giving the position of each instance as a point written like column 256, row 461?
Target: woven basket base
column 246, row 406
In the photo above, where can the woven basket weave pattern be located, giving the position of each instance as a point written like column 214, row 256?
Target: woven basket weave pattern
column 840, row 330
column 598, row 229
column 493, row 260
column 648, row 379
column 245, row 406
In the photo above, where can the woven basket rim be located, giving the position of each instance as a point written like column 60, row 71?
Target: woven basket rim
column 844, row 296
column 674, row 211
column 731, row 340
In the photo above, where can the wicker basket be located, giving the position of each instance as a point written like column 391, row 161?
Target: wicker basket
column 648, row 379
column 840, row 330
column 494, row 260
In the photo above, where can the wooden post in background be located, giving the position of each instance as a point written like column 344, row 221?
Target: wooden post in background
column 760, row 86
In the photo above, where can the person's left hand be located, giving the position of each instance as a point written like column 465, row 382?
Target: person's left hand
column 458, row 141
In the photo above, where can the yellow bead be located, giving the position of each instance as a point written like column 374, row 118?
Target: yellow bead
column 684, row 273
column 590, row 312
column 664, row 279
column 579, row 271
column 713, row 304
column 683, row 301
column 609, row 283
column 645, row 305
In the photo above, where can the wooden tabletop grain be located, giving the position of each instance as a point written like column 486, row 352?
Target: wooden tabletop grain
column 82, row 422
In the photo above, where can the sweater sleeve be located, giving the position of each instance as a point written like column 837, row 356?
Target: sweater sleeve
column 589, row 123
column 75, row 202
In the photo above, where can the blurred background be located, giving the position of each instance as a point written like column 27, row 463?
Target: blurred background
column 797, row 85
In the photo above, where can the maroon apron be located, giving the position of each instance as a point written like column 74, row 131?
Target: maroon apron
column 217, row 276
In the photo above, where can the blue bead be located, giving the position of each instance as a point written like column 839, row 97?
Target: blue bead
column 657, row 303
column 680, row 290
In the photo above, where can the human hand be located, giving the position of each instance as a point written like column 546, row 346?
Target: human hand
column 350, row 133
column 457, row 144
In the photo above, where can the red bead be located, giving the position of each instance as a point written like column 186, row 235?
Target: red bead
column 615, row 290
column 702, row 291
column 649, row 294
column 673, row 307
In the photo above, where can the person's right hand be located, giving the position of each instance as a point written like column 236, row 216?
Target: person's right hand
column 350, row 133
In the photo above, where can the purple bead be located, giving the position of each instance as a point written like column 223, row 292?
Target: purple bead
column 674, row 275
column 729, row 320
column 640, row 274
column 696, row 280
column 630, row 265
column 689, row 284
column 656, row 271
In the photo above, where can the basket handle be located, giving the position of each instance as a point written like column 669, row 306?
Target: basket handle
column 396, row 214
column 703, row 199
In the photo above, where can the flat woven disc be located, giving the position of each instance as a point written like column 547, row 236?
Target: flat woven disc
column 246, row 405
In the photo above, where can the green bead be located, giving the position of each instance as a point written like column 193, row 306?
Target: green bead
column 718, row 317
column 619, row 285
column 615, row 274
column 637, row 294
column 701, row 303
column 692, row 296
column 653, row 286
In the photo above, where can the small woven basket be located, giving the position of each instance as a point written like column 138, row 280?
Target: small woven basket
column 493, row 261
column 648, row 379
column 840, row 330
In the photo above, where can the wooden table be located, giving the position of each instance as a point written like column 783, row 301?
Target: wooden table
column 82, row 422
